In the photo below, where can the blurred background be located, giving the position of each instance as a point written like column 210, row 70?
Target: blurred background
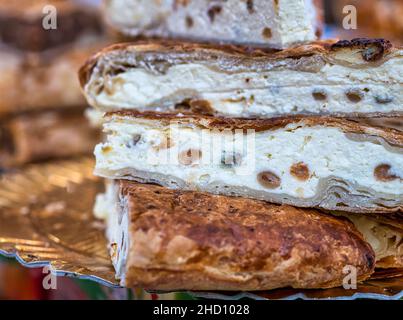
column 375, row 19
column 43, row 114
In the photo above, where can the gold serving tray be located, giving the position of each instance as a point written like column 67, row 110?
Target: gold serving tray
column 46, row 218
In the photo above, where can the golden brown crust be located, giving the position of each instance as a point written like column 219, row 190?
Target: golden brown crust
column 196, row 241
column 392, row 136
column 228, row 55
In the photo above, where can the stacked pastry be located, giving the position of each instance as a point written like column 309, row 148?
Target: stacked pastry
column 41, row 105
column 234, row 168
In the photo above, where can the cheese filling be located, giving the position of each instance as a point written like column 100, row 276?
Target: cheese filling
column 334, row 89
column 278, row 24
column 291, row 160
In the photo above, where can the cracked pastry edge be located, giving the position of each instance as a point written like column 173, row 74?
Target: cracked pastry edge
column 386, row 240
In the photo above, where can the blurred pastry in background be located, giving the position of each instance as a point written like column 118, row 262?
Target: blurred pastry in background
column 25, row 24
column 39, row 66
column 33, row 137
column 41, row 105
column 41, row 80
column 375, row 18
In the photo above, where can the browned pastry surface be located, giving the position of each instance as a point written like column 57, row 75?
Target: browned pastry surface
column 21, row 23
column 196, row 241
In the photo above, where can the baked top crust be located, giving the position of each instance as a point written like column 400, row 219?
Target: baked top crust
column 197, row 241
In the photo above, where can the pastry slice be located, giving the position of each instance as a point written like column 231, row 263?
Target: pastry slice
column 25, row 24
column 168, row 240
column 38, row 65
column 320, row 162
column 349, row 78
column 275, row 24
column 46, row 135
column 42, row 80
